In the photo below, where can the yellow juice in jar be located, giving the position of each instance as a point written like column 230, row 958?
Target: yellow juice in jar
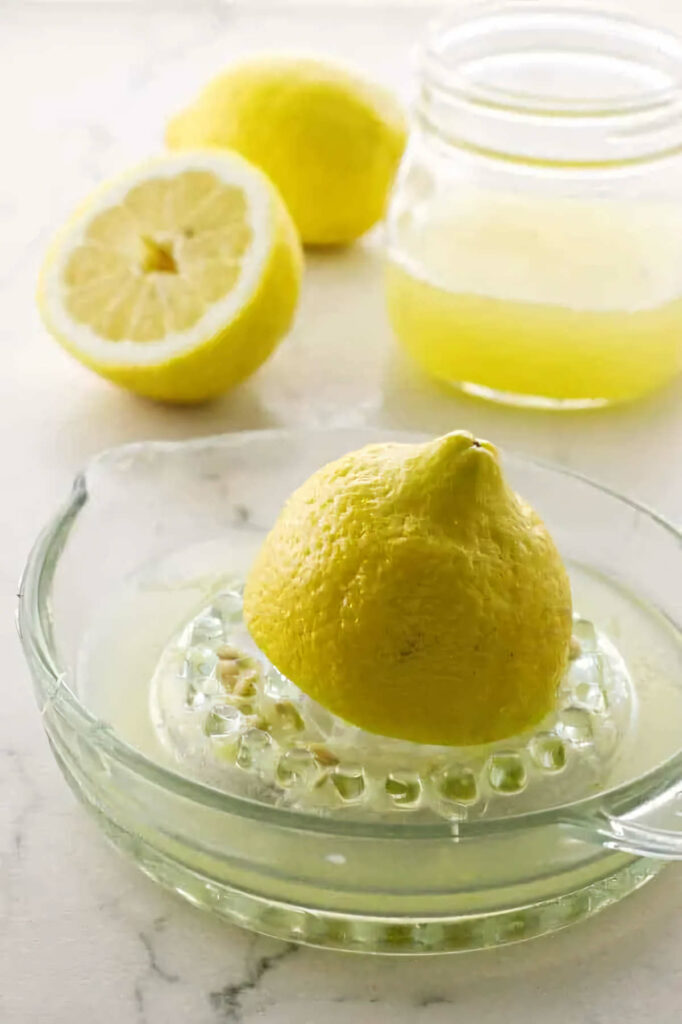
column 538, row 299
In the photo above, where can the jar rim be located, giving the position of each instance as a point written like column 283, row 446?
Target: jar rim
column 655, row 47
column 542, row 85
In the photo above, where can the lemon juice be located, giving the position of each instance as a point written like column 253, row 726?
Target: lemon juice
column 540, row 300
column 357, row 883
column 153, row 669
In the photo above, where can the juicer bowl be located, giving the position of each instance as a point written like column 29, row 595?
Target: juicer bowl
column 390, row 885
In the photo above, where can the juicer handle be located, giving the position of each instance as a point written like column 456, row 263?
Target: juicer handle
column 640, row 839
column 649, row 828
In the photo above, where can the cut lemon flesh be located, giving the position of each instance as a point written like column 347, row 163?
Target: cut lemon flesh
column 191, row 259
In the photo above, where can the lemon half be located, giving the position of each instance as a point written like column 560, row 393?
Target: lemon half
column 409, row 590
column 177, row 279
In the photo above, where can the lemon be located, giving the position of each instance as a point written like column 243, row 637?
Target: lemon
column 330, row 141
column 408, row 589
column 177, row 279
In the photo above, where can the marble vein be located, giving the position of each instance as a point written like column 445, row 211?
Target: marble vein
column 154, row 970
column 227, row 1001
column 17, row 778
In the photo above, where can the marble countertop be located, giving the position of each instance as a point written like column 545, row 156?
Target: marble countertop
column 84, row 936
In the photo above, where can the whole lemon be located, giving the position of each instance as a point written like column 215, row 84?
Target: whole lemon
column 408, row 589
column 330, row 141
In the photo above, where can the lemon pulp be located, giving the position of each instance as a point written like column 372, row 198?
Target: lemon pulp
column 560, row 301
column 155, row 261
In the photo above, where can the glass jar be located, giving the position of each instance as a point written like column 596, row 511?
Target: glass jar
column 535, row 230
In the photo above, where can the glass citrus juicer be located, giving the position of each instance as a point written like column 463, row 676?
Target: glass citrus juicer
column 534, row 236
column 230, row 786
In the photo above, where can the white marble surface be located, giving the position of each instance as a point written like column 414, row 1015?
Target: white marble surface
column 83, row 936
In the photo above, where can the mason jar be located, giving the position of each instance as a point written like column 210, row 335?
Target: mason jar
column 535, row 230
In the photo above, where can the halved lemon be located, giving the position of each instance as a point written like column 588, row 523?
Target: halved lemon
column 177, row 279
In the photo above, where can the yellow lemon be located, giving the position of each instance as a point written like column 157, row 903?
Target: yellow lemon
column 408, row 589
column 330, row 141
column 177, row 279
